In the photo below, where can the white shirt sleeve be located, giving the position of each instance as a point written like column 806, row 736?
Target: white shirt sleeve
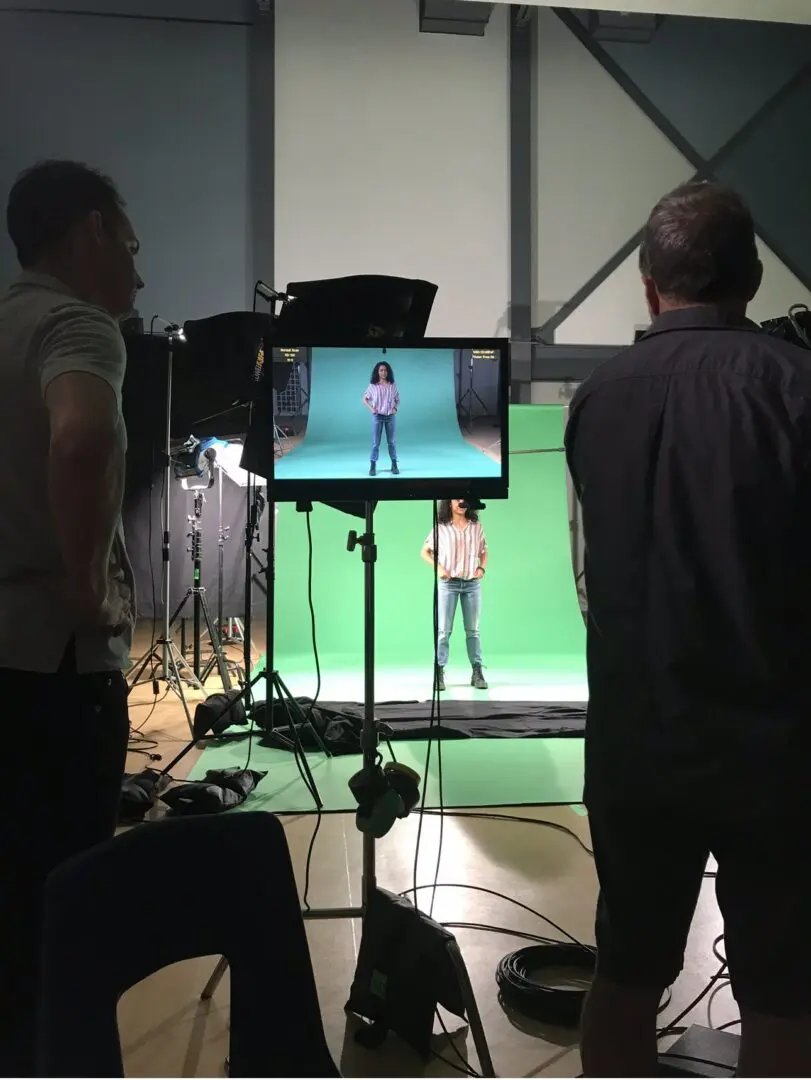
column 77, row 337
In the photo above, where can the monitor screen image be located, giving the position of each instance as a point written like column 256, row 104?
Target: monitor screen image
column 393, row 421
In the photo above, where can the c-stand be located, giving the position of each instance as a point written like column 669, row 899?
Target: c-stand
column 370, row 741
column 230, row 629
column 197, row 594
column 276, row 688
column 174, row 670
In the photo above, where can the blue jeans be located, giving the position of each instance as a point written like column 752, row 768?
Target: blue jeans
column 470, row 594
column 380, row 424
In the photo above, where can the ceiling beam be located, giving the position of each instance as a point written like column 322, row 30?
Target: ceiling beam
column 466, row 17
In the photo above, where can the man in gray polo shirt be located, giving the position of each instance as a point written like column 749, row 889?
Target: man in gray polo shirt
column 66, row 585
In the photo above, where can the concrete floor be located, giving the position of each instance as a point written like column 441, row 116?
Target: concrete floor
column 167, row 1032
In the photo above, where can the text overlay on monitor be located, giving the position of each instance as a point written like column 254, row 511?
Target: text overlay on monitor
column 390, row 421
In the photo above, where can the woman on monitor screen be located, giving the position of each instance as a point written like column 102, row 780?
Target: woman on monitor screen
column 460, row 559
column 382, row 399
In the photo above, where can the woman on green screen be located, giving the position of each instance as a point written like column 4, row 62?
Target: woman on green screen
column 460, row 559
column 382, row 399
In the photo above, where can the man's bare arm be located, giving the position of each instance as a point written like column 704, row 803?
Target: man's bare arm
column 85, row 483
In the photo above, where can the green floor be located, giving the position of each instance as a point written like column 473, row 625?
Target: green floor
column 475, row 772
column 532, row 635
column 529, row 604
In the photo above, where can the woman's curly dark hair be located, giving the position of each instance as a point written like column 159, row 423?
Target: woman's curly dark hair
column 376, row 371
column 444, row 514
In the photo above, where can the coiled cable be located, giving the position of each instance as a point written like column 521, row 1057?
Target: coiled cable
column 519, row 988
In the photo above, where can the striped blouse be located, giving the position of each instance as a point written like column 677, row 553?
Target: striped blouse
column 460, row 550
column 383, row 397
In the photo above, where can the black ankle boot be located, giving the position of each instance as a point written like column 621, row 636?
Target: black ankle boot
column 373, row 469
column 439, row 681
column 394, row 469
column 477, row 679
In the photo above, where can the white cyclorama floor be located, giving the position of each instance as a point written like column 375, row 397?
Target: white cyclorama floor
column 414, row 684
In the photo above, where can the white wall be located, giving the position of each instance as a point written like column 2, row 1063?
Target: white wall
column 163, row 108
column 618, row 305
column 600, row 166
column 392, row 154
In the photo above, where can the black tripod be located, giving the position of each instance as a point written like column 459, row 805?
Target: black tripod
column 288, row 736
column 230, row 629
column 465, row 406
column 290, row 739
column 197, row 594
column 165, row 661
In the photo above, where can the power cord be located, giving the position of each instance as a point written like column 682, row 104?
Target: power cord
column 436, row 711
column 317, row 660
column 134, row 732
column 519, row 989
column 482, row 815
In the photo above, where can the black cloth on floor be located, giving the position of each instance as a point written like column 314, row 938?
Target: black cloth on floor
column 106, row 929
column 339, row 723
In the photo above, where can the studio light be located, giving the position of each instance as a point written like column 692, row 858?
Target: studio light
column 193, row 464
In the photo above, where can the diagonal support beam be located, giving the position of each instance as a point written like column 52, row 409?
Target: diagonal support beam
column 705, row 167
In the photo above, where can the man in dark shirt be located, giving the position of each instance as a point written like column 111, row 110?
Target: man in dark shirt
column 691, row 455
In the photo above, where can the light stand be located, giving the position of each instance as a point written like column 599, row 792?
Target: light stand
column 370, row 741
column 200, row 612
column 227, row 629
column 174, row 670
column 466, row 400
column 276, row 688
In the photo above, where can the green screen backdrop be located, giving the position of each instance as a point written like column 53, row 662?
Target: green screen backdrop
column 530, row 614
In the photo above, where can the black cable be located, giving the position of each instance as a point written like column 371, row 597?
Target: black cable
column 435, row 707
column 669, row 1029
column 518, row 987
column 699, row 1061
column 436, row 713
column 500, row 896
column 149, row 547
column 466, row 1068
column 316, row 658
column 483, row 815
column 134, row 731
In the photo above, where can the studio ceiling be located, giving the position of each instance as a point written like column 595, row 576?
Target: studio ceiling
column 789, row 11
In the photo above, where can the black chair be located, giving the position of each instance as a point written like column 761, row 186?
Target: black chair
column 232, row 880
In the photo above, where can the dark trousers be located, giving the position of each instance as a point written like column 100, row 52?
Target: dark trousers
column 650, row 863
column 62, row 758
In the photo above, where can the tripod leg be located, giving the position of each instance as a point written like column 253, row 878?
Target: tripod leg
column 214, row 981
column 216, row 644
column 305, row 718
column 471, row 1007
column 141, row 665
column 175, row 680
column 476, row 396
column 292, row 708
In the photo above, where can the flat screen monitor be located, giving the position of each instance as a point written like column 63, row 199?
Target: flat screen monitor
column 389, row 421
